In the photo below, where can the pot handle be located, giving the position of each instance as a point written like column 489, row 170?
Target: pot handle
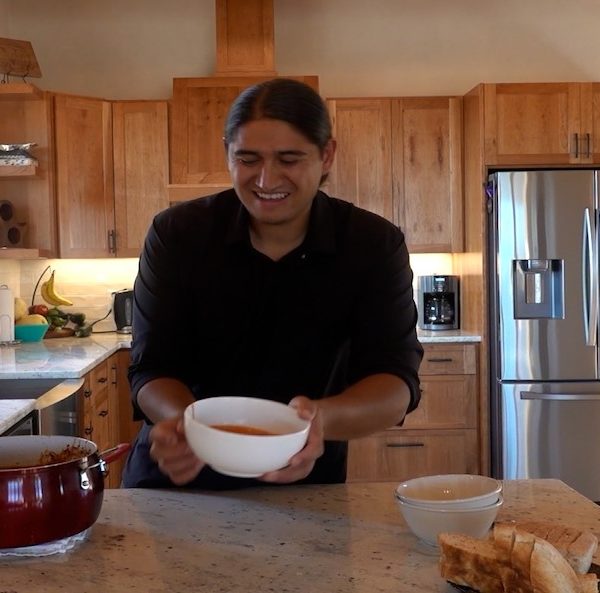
column 105, row 456
column 112, row 454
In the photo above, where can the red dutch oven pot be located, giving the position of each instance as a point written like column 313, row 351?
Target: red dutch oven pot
column 43, row 503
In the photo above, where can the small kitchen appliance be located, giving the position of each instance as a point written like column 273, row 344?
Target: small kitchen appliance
column 123, row 310
column 438, row 302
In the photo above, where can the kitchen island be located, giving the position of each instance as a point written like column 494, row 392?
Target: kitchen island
column 307, row 539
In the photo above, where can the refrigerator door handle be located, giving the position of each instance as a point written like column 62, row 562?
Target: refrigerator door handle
column 590, row 280
column 532, row 395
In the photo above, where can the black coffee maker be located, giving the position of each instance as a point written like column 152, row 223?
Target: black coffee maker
column 438, row 302
column 123, row 310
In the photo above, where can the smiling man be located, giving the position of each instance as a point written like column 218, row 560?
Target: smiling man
column 274, row 290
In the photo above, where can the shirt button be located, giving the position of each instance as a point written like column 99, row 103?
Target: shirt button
column 303, row 256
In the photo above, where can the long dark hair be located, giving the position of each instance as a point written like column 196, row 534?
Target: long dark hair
column 288, row 100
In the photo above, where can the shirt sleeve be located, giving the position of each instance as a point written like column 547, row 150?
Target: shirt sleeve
column 384, row 336
column 159, row 299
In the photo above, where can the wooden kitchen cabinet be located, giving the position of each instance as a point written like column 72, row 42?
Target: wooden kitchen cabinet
column 402, row 159
column 106, row 415
column 440, row 436
column 199, row 110
column 541, row 123
column 26, row 116
column 99, row 418
column 84, row 177
column 141, row 170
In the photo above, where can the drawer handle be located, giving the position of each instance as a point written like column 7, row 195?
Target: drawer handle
column 103, row 413
column 102, row 379
column 403, row 445
column 439, row 359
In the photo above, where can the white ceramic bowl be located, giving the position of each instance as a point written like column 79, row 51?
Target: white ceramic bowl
column 455, row 491
column 244, row 455
column 426, row 522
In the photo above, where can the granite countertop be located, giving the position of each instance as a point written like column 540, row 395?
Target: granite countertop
column 13, row 410
column 59, row 358
column 342, row 538
column 447, row 335
column 72, row 358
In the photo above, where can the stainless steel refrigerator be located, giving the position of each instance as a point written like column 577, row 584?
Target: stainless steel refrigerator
column 543, row 282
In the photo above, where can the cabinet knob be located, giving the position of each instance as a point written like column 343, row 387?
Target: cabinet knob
column 102, row 379
column 88, row 430
column 87, row 393
column 103, row 413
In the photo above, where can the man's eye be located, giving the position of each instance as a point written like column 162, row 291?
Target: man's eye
column 289, row 161
column 246, row 160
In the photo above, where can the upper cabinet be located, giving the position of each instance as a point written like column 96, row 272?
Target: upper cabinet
column 402, row 158
column 199, row 110
column 26, row 116
column 112, row 174
column 141, row 170
column 84, row 177
column 541, row 123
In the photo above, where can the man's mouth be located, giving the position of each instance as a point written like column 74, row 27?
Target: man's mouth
column 271, row 196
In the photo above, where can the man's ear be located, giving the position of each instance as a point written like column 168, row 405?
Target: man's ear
column 329, row 154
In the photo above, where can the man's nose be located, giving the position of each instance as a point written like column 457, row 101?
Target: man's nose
column 269, row 175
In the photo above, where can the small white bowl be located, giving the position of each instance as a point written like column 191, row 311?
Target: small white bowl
column 428, row 523
column 244, row 455
column 457, row 491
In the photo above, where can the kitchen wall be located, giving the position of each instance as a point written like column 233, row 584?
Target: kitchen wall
column 133, row 49
column 90, row 283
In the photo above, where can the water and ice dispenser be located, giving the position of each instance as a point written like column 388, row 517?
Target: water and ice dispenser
column 538, row 288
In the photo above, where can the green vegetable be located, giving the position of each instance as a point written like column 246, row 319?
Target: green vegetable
column 77, row 318
column 84, row 331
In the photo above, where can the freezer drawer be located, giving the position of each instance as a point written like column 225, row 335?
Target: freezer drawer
column 551, row 431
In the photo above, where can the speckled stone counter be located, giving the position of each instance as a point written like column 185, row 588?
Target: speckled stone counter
column 292, row 539
column 59, row 358
column 13, row 410
column 446, row 336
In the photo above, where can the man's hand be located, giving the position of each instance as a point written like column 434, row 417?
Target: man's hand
column 302, row 463
column 169, row 448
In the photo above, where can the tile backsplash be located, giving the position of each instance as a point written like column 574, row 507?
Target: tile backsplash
column 89, row 283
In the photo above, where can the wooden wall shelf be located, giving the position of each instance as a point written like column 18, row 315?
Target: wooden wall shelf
column 17, row 171
column 19, row 253
column 19, row 90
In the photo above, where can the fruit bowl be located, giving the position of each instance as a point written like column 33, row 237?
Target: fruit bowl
column 31, row 333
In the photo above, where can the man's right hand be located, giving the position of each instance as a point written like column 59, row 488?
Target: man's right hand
column 169, row 448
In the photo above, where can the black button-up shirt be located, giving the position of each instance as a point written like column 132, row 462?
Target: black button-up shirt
column 225, row 319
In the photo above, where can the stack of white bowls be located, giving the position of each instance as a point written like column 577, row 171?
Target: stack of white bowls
column 450, row 503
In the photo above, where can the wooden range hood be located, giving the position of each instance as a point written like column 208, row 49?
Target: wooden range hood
column 244, row 56
column 245, row 34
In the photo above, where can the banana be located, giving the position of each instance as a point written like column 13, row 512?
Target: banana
column 50, row 295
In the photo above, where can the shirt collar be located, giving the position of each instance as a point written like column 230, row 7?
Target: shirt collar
column 320, row 236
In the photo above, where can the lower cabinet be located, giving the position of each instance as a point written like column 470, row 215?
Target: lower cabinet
column 440, row 436
column 106, row 416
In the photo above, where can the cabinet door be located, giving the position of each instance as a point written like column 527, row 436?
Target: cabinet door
column 84, row 176
column 398, row 455
column 427, row 172
column 97, row 425
column 141, row 170
column 199, row 110
column 532, row 124
column 362, row 168
column 593, row 139
column 28, row 118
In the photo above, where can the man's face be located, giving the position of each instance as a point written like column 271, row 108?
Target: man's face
column 276, row 171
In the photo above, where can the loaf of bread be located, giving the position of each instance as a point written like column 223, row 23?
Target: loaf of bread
column 576, row 545
column 513, row 560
